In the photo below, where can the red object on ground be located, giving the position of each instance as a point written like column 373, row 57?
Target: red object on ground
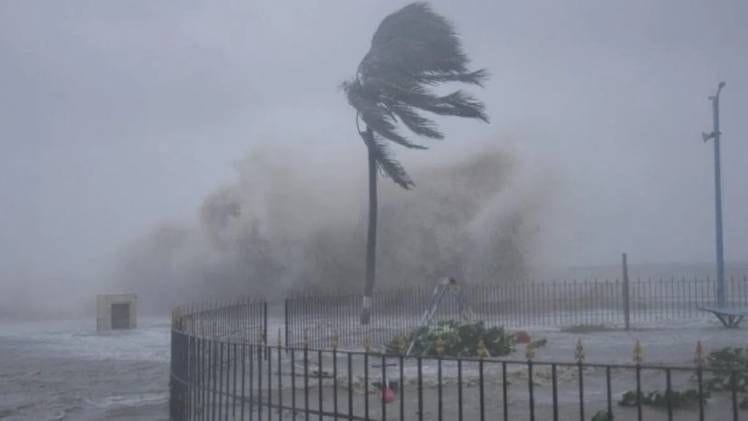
column 522, row 337
column 388, row 395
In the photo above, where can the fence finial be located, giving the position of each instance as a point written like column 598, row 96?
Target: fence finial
column 306, row 338
column 367, row 344
column 439, row 346
column 700, row 361
column 530, row 351
column 579, row 351
column 401, row 344
column 335, row 341
column 176, row 318
column 638, row 353
column 482, row 350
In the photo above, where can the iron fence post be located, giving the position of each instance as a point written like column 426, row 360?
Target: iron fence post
column 265, row 321
column 286, row 321
column 626, row 297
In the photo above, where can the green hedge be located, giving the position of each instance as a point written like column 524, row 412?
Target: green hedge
column 458, row 339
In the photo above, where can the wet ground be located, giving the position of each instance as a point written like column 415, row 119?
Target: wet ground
column 64, row 370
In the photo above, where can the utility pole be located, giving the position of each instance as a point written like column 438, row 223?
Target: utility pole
column 715, row 135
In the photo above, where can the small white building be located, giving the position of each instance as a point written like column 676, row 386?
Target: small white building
column 116, row 311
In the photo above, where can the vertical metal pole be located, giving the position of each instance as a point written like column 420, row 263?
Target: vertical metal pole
column 280, row 384
column 669, row 394
column 265, row 322
column 581, row 390
column 459, row 390
column 229, row 368
column 480, row 391
column 286, row 321
column 214, row 363
column 206, row 376
column 320, row 370
column 700, row 379
column 220, row 381
column 401, row 385
column 293, row 384
column 504, row 391
column 244, row 375
column 306, row 383
column 420, row 389
column 531, row 390
column 386, row 385
column 260, row 352
column 172, row 382
column 251, row 382
column 269, row 358
column 350, row 385
column 626, row 297
column 734, row 395
column 439, row 388
column 638, row 393
column 366, row 384
column 718, row 207
column 609, row 392
column 234, row 390
column 335, row 381
column 554, row 379
column 718, row 197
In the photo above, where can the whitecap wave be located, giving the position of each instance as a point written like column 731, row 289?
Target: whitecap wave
column 129, row 401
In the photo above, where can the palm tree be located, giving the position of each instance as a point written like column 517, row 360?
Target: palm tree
column 413, row 50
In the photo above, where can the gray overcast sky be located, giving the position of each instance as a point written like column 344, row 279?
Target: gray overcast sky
column 116, row 115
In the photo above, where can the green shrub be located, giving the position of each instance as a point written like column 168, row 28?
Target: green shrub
column 659, row 399
column 457, row 339
column 602, row 416
column 725, row 362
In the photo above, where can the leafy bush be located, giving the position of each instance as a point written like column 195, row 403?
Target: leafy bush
column 602, row 416
column 659, row 399
column 725, row 362
column 457, row 339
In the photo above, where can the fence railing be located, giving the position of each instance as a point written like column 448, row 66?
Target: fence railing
column 552, row 304
column 242, row 319
column 217, row 378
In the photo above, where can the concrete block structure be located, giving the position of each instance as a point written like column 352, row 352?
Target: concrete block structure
column 116, row 311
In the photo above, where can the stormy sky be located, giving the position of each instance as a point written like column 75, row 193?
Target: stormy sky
column 116, row 116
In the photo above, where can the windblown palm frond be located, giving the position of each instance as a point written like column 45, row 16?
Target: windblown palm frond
column 412, row 50
column 386, row 163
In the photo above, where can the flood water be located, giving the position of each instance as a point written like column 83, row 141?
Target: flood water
column 55, row 370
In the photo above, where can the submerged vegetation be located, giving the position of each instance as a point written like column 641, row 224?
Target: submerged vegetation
column 685, row 399
column 730, row 367
column 728, row 372
column 456, row 339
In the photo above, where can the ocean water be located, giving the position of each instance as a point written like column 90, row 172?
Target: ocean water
column 65, row 370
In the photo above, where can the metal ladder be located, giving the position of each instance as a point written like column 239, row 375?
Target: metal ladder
column 444, row 286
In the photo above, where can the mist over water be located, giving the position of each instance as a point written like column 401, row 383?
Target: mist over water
column 193, row 151
column 292, row 222
column 119, row 123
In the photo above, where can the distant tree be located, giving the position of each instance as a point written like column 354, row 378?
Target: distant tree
column 413, row 50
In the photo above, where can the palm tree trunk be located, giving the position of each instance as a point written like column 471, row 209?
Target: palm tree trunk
column 371, row 236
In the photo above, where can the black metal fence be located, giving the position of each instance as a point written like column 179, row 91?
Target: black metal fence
column 315, row 320
column 243, row 319
column 239, row 321
column 226, row 379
